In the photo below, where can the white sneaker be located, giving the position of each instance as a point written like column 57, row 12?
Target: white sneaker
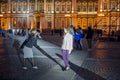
column 67, row 68
column 35, row 67
column 25, row 68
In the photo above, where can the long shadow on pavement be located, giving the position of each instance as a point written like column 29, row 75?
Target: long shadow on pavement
column 84, row 73
column 19, row 51
column 46, row 54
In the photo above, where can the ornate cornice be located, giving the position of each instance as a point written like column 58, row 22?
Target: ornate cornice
column 86, row 0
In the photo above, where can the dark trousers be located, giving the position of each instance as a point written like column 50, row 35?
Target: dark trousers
column 89, row 42
column 78, row 45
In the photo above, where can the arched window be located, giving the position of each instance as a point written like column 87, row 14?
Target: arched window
column 79, row 6
column 24, row 6
column 14, row 6
column 68, row 5
column 32, row 6
column 48, row 6
column 3, row 7
column 63, row 6
column 96, row 6
column 84, row 6
column 41, row 6
column 105, row 6
column 57, row 6
column 90, row 7
column 19, row 6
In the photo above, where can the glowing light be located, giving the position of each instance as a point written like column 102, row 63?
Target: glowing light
column 101, row 10
column 27, row 11
column 101, row 15
column 72, row 11
column 67, row 15
column 1, row 15
column 52, row 11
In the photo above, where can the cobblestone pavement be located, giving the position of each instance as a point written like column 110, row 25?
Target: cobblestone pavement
column 15, row 62
column 55, row 39
column 48, row 68
column 4, row 60
column 102, row 63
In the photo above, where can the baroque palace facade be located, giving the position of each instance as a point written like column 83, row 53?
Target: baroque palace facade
column 57, row 14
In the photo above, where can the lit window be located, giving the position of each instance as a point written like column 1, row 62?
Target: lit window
column 96, row 7
column 79, row 7
column 19, row 6
column 105, row 6
column 3, row 8
column 90, row 7
column 84, row 6
column 13, row 6
column 24, row 6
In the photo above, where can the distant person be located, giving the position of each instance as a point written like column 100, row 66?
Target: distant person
column 37, row 34
column 71, row 31
column 11, row 34
column 82, row 36
column 60, row 32
column 28, row 51
column 118, row 35
column 77, row 37
column 89, row 37
column 52, row 31
column 113, row 33
column 67, row 47
column 2, row 32
column 101, row 33
column 27, row 33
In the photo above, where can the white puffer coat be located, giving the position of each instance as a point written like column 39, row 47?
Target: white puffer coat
column 67, row 42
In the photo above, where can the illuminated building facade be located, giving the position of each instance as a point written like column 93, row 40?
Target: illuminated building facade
column 108, row 18
column 56, row 14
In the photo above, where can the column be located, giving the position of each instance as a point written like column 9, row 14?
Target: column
column 28, row 6
column 45, row 6
column 36, row 5
column 109, row 3
column 74, row 7
column 100, row 6
column 119, row 15
column 9, row 6
column 8, row 19
column 9, row 10
column 53, row 12
column 74, row 10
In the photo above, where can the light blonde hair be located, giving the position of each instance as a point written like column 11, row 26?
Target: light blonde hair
column 66, row 30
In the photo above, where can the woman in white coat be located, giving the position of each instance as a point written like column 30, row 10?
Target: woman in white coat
column 67, row 47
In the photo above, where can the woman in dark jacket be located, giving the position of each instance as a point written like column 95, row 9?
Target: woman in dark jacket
column 27, row 49
column 89, row 37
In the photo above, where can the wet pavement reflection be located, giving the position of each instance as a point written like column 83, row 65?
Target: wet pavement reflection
column 4, row 63
column 102, row 63
column 104, row 60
